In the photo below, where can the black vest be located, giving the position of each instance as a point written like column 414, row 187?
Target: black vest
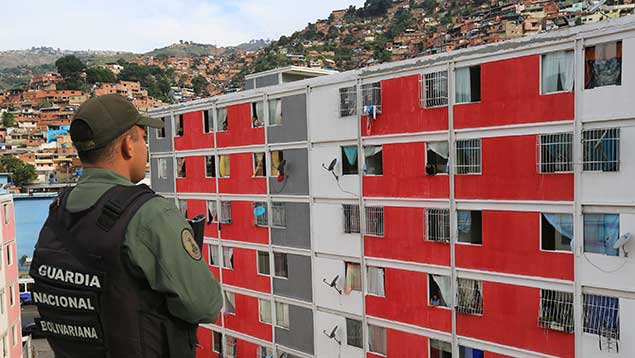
column 89, row 302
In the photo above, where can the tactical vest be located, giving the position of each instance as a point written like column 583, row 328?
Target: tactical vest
column 90, row 304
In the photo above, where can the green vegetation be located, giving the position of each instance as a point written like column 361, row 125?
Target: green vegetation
column 71, row 68
column 153, row 78
column 8, row 119
column 100, row 74
column 21, row 173
column 199, row 84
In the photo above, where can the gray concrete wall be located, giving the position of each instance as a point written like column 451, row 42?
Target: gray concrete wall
column 298, row 284
column 299, row 336
column 297, row 171
column 162, row 185
column 294, row 121
column 266, row 81
column 297, row 232
column 250, row 84
column 287, row 77
column 158, row 145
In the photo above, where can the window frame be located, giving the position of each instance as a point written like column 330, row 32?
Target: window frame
column 345, row 99
column 585, row 234
column 268, row 273
column 255, row 166
column 353, row 227
column 210, row 249
column 375, row 87
column 269, row 119
column 278, row 209
column 544, row 167
column 446, row 305
column 348, row 169
column 261, row 303
column 207, row 123
column 161, row 169
column 207, row 157
column 230, row 298
column 385, row 340
column 560, row 295
column 216, row 335
column 228, row 264
column 214, row 215
column 433, row 213
column 615, row 146
column 619, row 48
column 380, row 221
column 356, row 322
column 424, row 82
column 542, row 59
column 261, row 220
column 480, row 91
column 285, row 262
column 285, row 309
column 365, row 165
column 225, row 206
column 446, row 170
column 180, row 125
column 480, row 227
column 274, row 171
column 471, row 308
column 160, row 132
column 220, row 156
column 541, row 243
column 217, row 125
column 183, row 166
column 458, row 168
column 368, row 286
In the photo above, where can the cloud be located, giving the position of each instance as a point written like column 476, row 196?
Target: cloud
column 143, row 25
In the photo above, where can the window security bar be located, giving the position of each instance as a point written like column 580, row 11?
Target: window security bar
column 351, row 218
column 556, row 310
column 438, row 225
column 433, row 89
column 468, row 156
column 601, row 149
column 601, row 315
column 469, row 296
column 375, row 221
column 555, row 153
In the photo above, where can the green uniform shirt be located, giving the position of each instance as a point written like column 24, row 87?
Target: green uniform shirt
column 154, row 247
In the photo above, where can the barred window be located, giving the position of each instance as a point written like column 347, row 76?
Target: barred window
column 469, row 296
column 468, row 156
column 280, row 265
column 433, row 89
column 555, row 153
column 556, row 310
column 278, row 215
column 351, row 218
column 371, row 95
column 601, row 315
column 438, row 225
column 348, row 101
column 601, row 149
column 354, row 332
column 375, row 221
column 226, row 212
column 261, row 220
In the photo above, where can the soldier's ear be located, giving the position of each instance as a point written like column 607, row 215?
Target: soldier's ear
column 127, row 146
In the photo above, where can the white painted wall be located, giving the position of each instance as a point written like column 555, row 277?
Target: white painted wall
column 328, row 231
column 603, row 103
column 328, row 348
column 326, row 296
column 323, row 184
column 324, row 117
column 627, row 336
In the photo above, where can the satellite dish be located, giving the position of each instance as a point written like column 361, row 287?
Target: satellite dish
column 623, row 240
column 259, row 210
column 332, row 335
column 332, row 165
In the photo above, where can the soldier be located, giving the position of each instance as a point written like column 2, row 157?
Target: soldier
column 117, row 270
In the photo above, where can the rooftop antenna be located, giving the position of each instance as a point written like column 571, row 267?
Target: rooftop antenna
column 332, row 335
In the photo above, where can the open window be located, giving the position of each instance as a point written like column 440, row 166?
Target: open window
column 262, row 219
column 276, row 158
column 225, row 212
column 349, row 160
column 179, row 125
column 555, row 153
column 353, row 274
column 468, row 156
column 371, row 98
column 282, row 315
column 556, row 232
column 603, row 65
column 230, row 347
column 180, row 168
column 263, row 263
column 260, row 165
column 439, row 291
column 601, row 149
column 351, row 218
column 348, row 101
column 556, row 310
column 470, row 226
column 377, row 340
column 264, row 311
column 212, row 212
column 375, row 281
column 440, row 349
column 433, row 89
column 275, row 112
column 217, row 342
column 601, row 231
column 221, row 119
column 161, row 131
column 557, row 72
column 213, row 255
column 373, row 162
column 374, row 221
column 264, row 352
column 230, row 302
column 469, row 296
column 257, row 114
column 467, row 352
column 280, row 265
column 208, row 124
column 354, row 333
column 183, row 207
column 468, row 84
column 228, row 258
column 601, row 316
column 162, row 168
column 210, row 166
column 278, row 215
column 437, row 157
column 223, row 167
column 437, row 225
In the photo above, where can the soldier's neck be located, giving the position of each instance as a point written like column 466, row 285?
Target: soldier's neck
column 116, row 167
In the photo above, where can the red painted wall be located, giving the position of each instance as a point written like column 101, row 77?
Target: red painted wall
column 204, row 348
column 510, row 314
column 243, row 226
column 195, row 180
column 402, row 112
column 404, row 175
column 510, row 94
column 8, row 230
column 241, row 178
column 404, row 239
column 511, row 244
column 246, row 319
column 245, row 272
column 407, row 301
column 246, row 349
column 239, row 131
column 509, row 171
column 194, row 136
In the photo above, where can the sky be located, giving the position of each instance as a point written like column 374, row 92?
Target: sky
column 143, row 25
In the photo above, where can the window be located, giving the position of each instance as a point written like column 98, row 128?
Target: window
column 353, row 275
column 263, row 263
column 348, row 101
column 223, row 168
column 557, row 72
column 261, row 220
column 183, row 207
column 556, row 310
column 179, row 126
column 162, row 168
column 371, row 96
column 230, row 302
column 280, row 267
column 230, row 347
column 351, row 218
column 349, row 160
column 440, row 349
column 212, row 212
column 469, row 296
column 210, row 166
column 221, row 119
column 282, row 315
column 601, row 149
column 228, row 258
column 556, row 232
column 556, row 153
column 437, row 156
column 467, row 352
column 7, row 213
column 276, row 158
column 9, row 255
column 264, row 352
column 213, row 255
column 433, row 89
column 373, row 164
column 468, row 84
column 374, row 221
column 438, row 225
column 208, row 126
column 161, row 131
column 603, row 65
column 377, row 339
column 601, row 231
column 180, row 168
column 260, row 165
column 468, row 156
column 14, row 336
column 275, row 112
column 439, row 291
column 278, row 215
column 354, row 333
column 470, row 224
column 217, row 342
column 601, row 315
column 264, row 311
column 11, row 295
column 375, row 278
column 226, row 212
column 3, row 298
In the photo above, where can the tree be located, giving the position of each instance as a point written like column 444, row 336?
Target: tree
column 199, row 84
column 373, row 8
column 71, row 68
column 100, row 74
column 21, row 173
column 8, row 119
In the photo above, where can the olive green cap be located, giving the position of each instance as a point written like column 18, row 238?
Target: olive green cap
column 106, row 118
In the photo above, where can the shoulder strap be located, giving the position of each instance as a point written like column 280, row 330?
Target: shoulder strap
column 118, row 201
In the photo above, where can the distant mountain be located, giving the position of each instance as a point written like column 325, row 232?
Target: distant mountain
column 37, row 56
column 186, row 49
column 254, row 45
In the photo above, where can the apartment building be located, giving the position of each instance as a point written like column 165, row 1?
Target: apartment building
column 10, row 326
column 469, row 204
